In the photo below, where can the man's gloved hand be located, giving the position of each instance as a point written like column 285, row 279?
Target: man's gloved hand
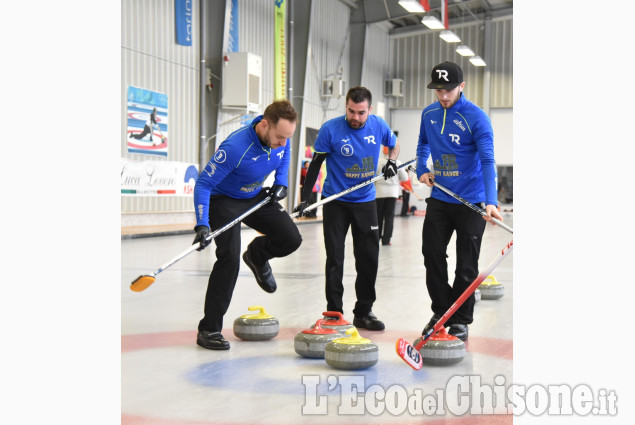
column 390, row 169
column 300, row 208
column 277, row 192
column 201, row 236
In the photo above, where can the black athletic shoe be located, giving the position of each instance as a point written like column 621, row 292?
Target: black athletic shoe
column 458, row 330
column 433, row 321
column 212, row 340
column 263, row 274
column 370, row 322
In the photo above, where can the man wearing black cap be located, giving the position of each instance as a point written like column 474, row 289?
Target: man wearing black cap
column 459, row 137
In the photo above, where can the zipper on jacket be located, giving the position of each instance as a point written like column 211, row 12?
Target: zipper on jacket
column 268, row 152
column 443, row 126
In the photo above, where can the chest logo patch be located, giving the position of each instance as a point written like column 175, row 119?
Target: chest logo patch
column 347, row 150
column 455, row 139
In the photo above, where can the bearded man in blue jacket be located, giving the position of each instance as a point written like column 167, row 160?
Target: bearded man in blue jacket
column 230, row 184
column 350, row 144
column 459, row 136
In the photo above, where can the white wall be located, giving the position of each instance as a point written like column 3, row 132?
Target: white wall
column 502, row 122
column 407, row 122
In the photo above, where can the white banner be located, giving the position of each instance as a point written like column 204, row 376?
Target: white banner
column 143, row 178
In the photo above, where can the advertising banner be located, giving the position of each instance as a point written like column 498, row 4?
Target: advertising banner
column 280, row 51
column 157, row 178
column 183, row 21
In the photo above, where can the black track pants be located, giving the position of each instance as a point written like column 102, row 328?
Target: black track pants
column 280, row 238
column 441, row 220
column 362, row 219
column 385, row 218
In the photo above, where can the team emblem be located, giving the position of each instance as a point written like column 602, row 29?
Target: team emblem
column 220, row 156
column 347, row 150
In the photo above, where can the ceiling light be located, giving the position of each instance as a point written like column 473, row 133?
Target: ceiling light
column 432, row 22
column 412, row 6
column 477, row 61
column 464, row 50
column 449, row 36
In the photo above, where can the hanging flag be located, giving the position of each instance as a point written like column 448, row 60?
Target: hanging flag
column 232, row 31
column 280, row 51
column 183, row 21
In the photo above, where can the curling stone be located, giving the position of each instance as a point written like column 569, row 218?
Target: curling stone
column 441, row 349
column 491, row 289
column 335, row 320
column 312, row 342
column 477, row 295
column 351, row 352
column 256, row 327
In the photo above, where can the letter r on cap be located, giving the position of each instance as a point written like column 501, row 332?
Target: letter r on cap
column 443, row 74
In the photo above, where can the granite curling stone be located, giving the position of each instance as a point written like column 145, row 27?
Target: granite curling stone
column 491, row 289
column 312, row 342
column 256, row 327
column 335, row 320
column 351, row 352
column 441, row 349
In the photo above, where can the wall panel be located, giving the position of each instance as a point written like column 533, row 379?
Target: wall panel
column 151, row 59
column 255, row 35
column 328, row 57
column 501, row 66
column 376, row 64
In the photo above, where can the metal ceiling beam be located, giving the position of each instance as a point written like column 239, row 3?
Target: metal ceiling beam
column 464, row 7
column 454, row 22
column 357, row 34
column 350, row 3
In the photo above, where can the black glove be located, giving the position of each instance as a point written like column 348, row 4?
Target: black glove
column 277, row 192
column 201, row 236
column 390, row 169
column 300, row 208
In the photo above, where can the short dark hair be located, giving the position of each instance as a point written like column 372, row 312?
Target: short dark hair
column 359, row 94
column 280, row 109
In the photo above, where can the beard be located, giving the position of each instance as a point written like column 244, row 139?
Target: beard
column 356, row 124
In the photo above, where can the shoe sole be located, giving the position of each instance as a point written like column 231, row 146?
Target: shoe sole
column 264, row 288
column 462, row 339
column 367, row 328
column 211, row 348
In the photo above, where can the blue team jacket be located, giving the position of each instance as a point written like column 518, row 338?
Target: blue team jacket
column 461, row 141
column 238, row 169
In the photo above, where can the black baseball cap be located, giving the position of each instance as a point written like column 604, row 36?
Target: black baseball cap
column 446, row 76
